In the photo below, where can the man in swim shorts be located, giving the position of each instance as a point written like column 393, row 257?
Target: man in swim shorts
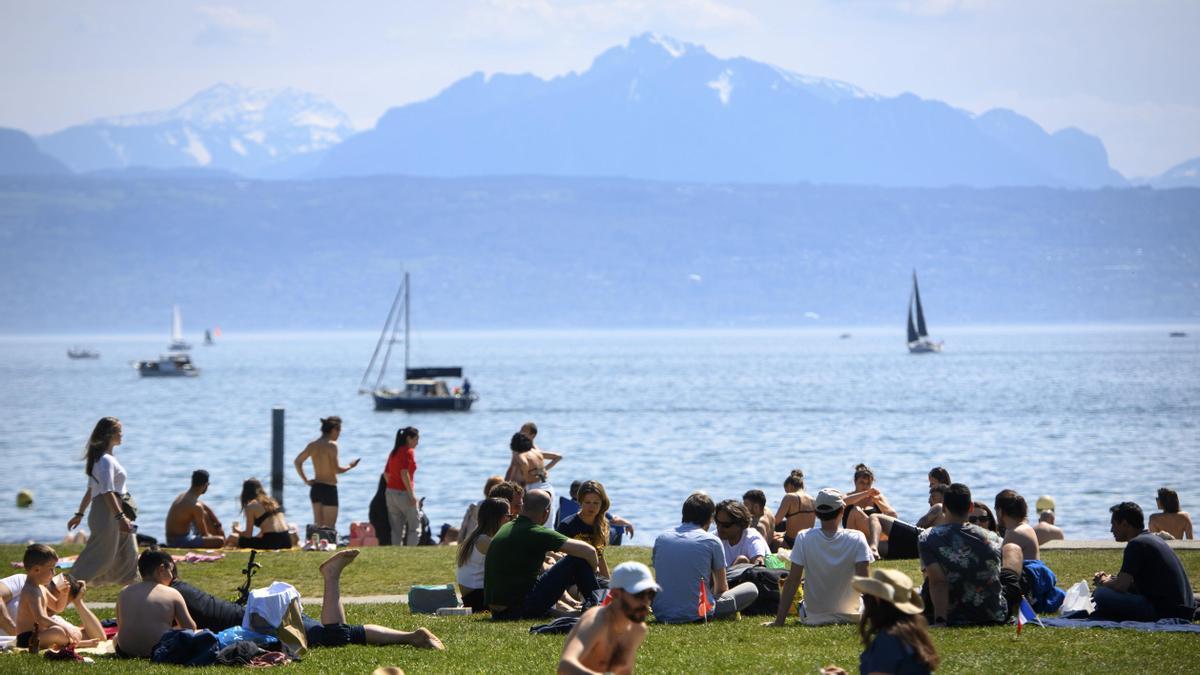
column 323, row 486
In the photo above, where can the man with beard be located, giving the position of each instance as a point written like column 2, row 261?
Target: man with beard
column 606, row 638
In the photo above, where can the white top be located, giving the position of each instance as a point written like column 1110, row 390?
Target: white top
column 14, row 584
column 470, row 575
column 269, row 605
column 107, row 476
column 750, row 545
column 543, row 485
column 828, row 563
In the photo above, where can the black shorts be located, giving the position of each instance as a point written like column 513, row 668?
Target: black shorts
column 902, row 541
column 333, row 634
column 323, row 493
column 268, row 541
column 24, row 638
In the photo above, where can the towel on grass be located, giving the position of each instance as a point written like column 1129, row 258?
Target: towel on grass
column 1160, row 626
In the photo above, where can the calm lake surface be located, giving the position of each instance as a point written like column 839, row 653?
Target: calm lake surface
column 1089, row 416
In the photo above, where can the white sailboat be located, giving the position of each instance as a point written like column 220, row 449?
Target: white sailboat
column 178, row 344
column 918, row 334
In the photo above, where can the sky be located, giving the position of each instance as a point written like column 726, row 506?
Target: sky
column 1124, row 70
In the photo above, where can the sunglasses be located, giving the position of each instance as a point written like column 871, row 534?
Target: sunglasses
column 978, row 519
column 724, row 523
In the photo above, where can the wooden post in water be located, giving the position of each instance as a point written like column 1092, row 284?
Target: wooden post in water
column 277, row 454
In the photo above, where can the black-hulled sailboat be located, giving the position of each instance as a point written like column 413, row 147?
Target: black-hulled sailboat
column 918, row 335
column 422, row 388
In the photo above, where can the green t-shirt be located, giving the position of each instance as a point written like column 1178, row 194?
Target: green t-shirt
column 514, row 560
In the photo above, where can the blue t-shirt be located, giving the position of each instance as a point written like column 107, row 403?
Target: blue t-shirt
column 682, row 557
column 890, row 654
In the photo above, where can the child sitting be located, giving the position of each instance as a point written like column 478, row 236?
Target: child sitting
column 39, row 595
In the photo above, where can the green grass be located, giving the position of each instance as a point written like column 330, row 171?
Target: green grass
column 475, row 644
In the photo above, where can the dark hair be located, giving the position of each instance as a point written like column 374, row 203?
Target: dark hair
column 755, row 497
column 520, row 443
column 529, row 429
column 795, row 479
column 698, row 509
column 736, row 511
column 252, row 489
column 199, row 477
column 881, row 616
column 330, row 423
column 940, row 474
column 863, row 471
column 991, row 517
column 402, row 435
column 574, row 489
column 1169, row 499
column 151, row 559
column 507, row 490
column 490, row 483
column 825, row 516
column 957, row 499
column 1012, row 504
column 100, row 441
column 939, row 489
column 38, row 554
column 536, row 502
column 1130, row 514
column 600, row 525
column 491, row 513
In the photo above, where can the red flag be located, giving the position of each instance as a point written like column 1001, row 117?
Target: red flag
column 607, row 599
column 705, row 606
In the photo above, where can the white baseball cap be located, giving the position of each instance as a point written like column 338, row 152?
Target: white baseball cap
column 632, row 577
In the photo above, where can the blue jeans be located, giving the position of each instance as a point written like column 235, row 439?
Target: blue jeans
column 568, row 572
column 1116, row 606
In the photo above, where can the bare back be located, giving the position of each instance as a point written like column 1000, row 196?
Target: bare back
column 605, row 650
column 324, row 455
column 145, row 611
column 1024, row 536
column 1178, row 525
column 1046, row 532
column 185, row 515
column 527, row 467
column 796, row 512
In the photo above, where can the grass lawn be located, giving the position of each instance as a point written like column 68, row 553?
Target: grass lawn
column 474, row 644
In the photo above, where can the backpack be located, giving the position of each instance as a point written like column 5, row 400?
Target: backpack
column 768, row 582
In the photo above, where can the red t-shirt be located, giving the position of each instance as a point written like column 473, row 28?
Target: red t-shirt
column 400, row 461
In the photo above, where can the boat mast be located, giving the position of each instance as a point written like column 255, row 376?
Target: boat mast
column 382, row 334
column 406, row 310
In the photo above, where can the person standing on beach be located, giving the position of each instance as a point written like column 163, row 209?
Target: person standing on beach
column 404, row 516
column 110, row 556
column 323, row 492
column 529, row 463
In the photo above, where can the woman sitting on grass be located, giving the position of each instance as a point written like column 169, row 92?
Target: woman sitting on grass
column 982, row 516
column 870, row 500
column 492, row 513
column 795, row 511
column 1171, row 520
column 590, row 524
column 262, row 512
column 894, row 634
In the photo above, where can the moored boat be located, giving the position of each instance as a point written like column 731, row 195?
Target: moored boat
column 167, row 365
column 82, row 353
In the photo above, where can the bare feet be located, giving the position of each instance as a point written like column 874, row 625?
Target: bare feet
column 424, row 639
column 337, row 562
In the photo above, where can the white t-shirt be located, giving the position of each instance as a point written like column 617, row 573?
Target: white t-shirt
column 750, row 545
column 107, row 476
column 14, row 584
column 268, row 605
column 470, row 575
column 828, row 563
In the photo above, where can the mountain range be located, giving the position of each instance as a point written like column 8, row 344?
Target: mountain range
column 653, row 108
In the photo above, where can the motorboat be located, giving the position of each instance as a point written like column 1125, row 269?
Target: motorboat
column 167, row 365
column 82, row 353
column 918, row 334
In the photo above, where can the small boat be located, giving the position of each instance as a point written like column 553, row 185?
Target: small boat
column 423, row 390
column 178, row 344
column 82, row 353
column 918, row 335
column 844, row 336
column 167, row 365
column 1177, row 333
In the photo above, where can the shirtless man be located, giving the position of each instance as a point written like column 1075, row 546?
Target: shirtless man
column 1046, row 530
column 323, row 485
column 606, row 638
column 761, row 519
column 148, row 609
column 190, row 522
column 529, row 462
column 1012, row 512
column 935, row 515
column 39, row 598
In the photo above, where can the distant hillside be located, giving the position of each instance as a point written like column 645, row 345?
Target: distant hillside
column 252, row 132
column 90, row 253
column 20, row 156
column 659, row 109
column 1185, row 174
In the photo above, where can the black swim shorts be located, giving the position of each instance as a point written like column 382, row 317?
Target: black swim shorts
column 902, row 541
column 333, row 634
column 323, row 493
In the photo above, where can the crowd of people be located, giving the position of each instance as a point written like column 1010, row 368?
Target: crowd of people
column 527, row 552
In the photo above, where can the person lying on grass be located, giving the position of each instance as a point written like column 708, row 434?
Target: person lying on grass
column 606, row 638
column 332, row 630
column 38, row 600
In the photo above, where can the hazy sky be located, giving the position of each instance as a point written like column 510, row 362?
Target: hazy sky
column 1123, row 70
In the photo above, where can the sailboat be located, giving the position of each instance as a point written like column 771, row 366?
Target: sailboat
column 918, row 335
column 422, row 388
column 178, row 344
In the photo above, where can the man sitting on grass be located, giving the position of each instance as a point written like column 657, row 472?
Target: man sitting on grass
column 1152, row 583
column 1046, row 530
column 606, row 639
column 972, row 577
column 150, row 608
column 514, row 585
column 38, row 599
column 742, row 543
column 332, row 630
column 826, row 559
column 190, row 522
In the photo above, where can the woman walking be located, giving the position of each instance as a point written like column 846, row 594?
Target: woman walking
column 110, row 556
column 401, row 499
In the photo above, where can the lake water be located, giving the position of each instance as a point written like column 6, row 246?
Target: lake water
column 1089, row 416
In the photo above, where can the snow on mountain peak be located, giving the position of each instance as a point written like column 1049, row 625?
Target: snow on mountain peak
column 668, row 44
column 723, row 85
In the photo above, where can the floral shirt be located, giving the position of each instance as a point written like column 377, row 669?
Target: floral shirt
column 970, row 557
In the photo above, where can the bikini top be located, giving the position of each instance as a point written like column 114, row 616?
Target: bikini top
column 266, row 514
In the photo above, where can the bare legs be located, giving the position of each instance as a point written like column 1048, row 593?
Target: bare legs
column 62, row 634
column 324, row 515
column 333, row 612
column 877, row 524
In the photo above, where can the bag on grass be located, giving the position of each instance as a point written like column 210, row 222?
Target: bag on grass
column 1078, row 598
column 429, row 599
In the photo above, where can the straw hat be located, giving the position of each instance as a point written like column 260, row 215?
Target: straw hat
column 893, row 586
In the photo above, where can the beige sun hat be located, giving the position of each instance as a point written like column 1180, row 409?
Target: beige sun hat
column 893, row 586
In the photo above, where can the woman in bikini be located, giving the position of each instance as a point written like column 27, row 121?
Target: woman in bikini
column 865, row 496
column 265, row 514
column 795, row 511
column 1171, row 520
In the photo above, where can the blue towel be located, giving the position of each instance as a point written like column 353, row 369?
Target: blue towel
column 1160, row 626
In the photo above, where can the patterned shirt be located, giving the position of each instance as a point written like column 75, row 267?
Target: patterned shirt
column 970, row 557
